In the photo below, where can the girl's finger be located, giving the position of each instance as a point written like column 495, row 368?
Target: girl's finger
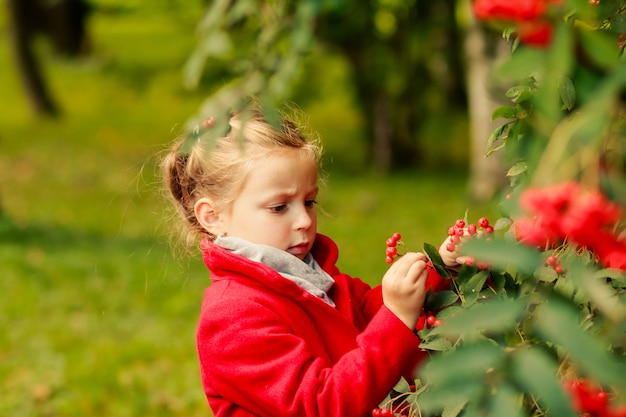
column 417, row 269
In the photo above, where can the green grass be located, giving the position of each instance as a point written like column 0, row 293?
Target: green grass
column 97, row 315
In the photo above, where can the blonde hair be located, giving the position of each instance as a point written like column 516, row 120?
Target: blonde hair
column 204, row 166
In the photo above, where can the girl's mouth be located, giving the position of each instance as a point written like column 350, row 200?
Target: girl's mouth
column 300, row 249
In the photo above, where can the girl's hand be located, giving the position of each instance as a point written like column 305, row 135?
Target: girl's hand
column 451, row 258
column 403, row 287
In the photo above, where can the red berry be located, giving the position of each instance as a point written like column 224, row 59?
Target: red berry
column 386, row 412
column 391, row 243
column 376, row 412
column 389, row 259
column 488, row 230
column 451, row 231
column 454, row 239
column 450, row 247
column 483, row 265
column 471, row 229
column 459, row 232
column 602, row 401
column 558, row 269
column 460, row 223
column 396, row 236
column 437, row 323
column 392, row 251
column 469, row 262
column 430, row 320
column 483, row 222
column 551, row 260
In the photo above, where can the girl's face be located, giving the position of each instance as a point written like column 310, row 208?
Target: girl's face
column 276, row 206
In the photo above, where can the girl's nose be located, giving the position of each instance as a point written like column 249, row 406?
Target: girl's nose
column 304, row 219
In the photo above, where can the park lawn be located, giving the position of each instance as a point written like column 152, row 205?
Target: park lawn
column 97, row 313
column 102, row 323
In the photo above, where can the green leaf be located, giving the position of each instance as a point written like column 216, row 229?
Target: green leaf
column 565, row 287
column 451, row 311
column 517, row 169
column 536, row 372
column 519, row 93
column 498, row 282
column 505, row 112
column 503, row 254
column 465, row 274
column 617, row 277
column 435, row 258
column 437, row 398
column 468, row 363
column 506, row 402
column 495, row 315
column 453, row 408
column 598, row 291
column 436, row 344
column 557, row 321
column 516, row 131
column 618, row 23
column 437, row 301
column 493, row 137
column 560, row 58
column 567, row 92
column 401, row 386
column 470, row 290
column 523, row 61
column 599, row 46
column 502, row 223
column 546, row 274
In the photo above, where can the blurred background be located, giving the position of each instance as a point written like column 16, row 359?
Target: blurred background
column 97, row 308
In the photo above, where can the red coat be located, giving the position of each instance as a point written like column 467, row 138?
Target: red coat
column 269, row 348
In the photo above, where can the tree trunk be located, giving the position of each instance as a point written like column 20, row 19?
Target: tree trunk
column 66, row 24
column 487, row 174
column 382, row 133
column 20, row 14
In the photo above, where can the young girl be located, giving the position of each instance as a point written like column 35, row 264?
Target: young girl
column 282, row 332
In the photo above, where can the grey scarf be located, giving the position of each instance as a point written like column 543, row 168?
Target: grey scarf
column 307, row 274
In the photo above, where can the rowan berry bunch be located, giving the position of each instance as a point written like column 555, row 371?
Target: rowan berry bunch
column 392, row 247
column 590, row 400
column 432, row 321
column 382, row 412
column 459, row 230
column 456, row 232
column 399, row 404
column 553, row 262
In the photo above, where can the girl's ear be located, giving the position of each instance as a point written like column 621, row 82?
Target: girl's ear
column 209, row 219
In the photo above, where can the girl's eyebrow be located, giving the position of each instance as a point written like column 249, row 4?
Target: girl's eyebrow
column 291, row 193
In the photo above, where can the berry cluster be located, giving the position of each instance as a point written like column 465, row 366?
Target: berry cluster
column 591, row 401
column 398, row 405
column 553, row 262
column 459, row 229
column 392, row 247
column 432, row 321
column 382, row 412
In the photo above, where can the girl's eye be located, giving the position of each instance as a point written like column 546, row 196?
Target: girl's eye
column 310, row 203
column 278, row 209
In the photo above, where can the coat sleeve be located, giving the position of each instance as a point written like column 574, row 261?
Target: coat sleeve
column 250, row 355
